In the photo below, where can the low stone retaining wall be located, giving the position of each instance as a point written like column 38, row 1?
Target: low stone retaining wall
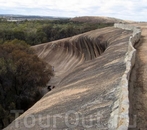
column 120, row 116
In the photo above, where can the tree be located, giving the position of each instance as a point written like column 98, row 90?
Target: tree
column 19, row 35
column 22, row 73
column 41, row 36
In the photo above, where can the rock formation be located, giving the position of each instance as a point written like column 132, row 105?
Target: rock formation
column 92, row 73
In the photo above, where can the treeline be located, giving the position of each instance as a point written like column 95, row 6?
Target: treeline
column 36, row 32
column 22, row 75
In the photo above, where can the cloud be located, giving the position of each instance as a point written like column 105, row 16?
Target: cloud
column 124, row 9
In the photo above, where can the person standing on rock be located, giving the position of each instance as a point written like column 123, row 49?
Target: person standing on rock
column 49, row 88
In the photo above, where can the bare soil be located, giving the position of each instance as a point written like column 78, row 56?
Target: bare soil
column 139, row 96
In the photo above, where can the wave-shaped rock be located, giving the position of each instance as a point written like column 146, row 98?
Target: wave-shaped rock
column 88, row 79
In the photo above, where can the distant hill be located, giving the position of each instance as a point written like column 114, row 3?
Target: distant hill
column 13, row 17
column 98, row 19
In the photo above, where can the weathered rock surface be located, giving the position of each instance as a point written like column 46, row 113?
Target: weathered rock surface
column 91, row 78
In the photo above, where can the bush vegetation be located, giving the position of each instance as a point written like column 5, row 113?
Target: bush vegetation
column 22, row 74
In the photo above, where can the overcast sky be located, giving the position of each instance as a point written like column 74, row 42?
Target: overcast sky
column 123, row 9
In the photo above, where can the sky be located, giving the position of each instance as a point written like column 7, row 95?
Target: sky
column 135, row 10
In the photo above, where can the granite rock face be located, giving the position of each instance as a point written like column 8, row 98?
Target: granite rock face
column 91, row 82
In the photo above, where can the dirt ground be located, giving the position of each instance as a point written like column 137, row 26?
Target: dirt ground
column 139, row 105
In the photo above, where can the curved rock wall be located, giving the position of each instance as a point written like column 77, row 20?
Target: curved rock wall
column 120, row 116
column 81, row 49
column 91, row 70
column 66, row 54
